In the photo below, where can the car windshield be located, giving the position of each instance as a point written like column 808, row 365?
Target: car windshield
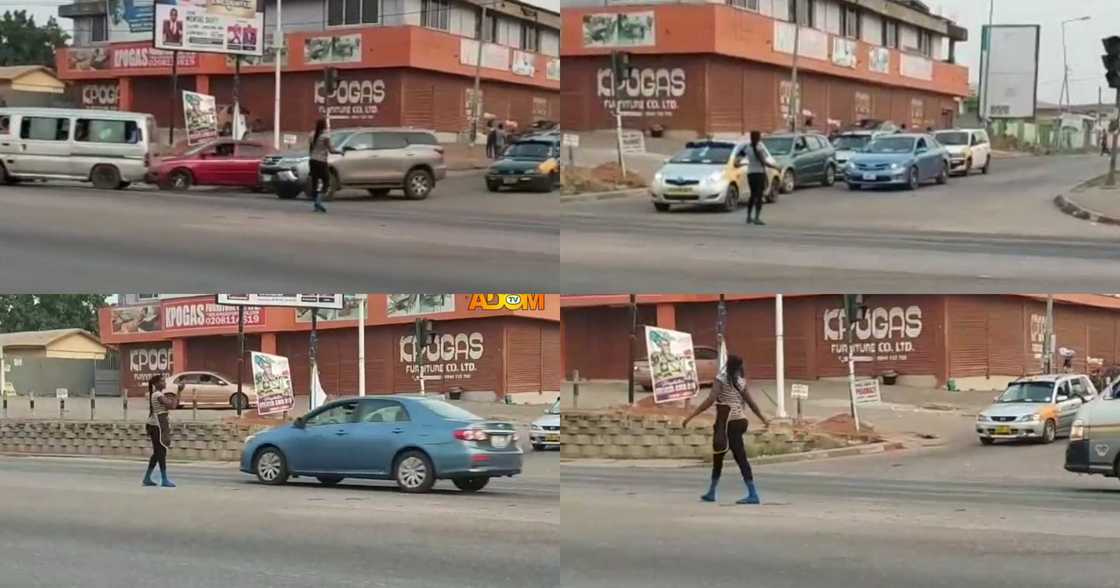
column 337, row 138
column 527, row 150
column 555, row 408
column 851, row 141
column 952, row 138
column 1028, row 392
column 704, row 153
column 891, row 145
column 778, row 145
column 449, row 411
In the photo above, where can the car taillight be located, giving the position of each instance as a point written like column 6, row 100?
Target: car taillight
column 147, row 160
column 470, row 435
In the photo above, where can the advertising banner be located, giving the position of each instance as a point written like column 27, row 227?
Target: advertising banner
column 887, row 334
column 349, row 311
column 354, row 100
column 844, row 52
column 136, row 319
column 552, row 71
column 450, row 357
column 206, row 315
column 879, row 60
column 209, row 26
column 272, row 381
column 627, row 29
column 1012, row 86
column 493, row 56
column 648, row 91
column 916, row 67
column 267, row 58
column 336, row 49
column 672, row 365
column 201, row 114
column 130, row 20
column 147, row 58
column 524, row 64
column 291, row 300
column 397, row 305
column 867, row 392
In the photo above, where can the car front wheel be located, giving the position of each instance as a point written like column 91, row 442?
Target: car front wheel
column 471, row 484
column 731, row 200
column 239, row 402
column 943, row 177
column 789, row 182
column 271, row 467
column 418, row 184
column 414, row 473
column 1049, row 432
column 830, row 175
column 915, row 180
column 661, row 207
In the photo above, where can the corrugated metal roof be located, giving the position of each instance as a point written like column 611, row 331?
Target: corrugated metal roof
column 41, row 338
column 14, row 71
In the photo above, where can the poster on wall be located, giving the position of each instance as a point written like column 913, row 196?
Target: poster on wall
column 354, row 100
column 810, row 42
column 862, row 103
column 552, row 70
column 524, row 64
column 844, row 52
column 626, row 29
column 335, row 49
column 916, row 67
column 672, row 365
column 136, row 319
column 201, row 114
column 100, row 96
column 917, row 113
column 889, row 333
column 785, row 99
column 209, row 26
column 397, row 305
column 649, row 91
column 450, row 357
column 348, row 312
column 145, row 362
column 493, row 56
column 879, row 60
column 272, row 381
column 130, row 20
column 195, row 314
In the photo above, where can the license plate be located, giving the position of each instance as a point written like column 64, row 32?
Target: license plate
column 679, row 192
column 552, row 438
column 870, row 177
column 499, row 441
column 267, row 177
column 509, row 181
column 1003, row 430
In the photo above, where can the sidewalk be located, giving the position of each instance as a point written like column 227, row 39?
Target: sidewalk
column 1092, row 201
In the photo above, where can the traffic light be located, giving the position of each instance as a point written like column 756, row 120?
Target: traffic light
column 425, row 332
column 1111, row 60
column 854, row 308
column 330, row 79
column 620, row 65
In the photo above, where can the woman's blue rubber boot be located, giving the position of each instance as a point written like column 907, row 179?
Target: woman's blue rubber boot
column 751, row 497
column 711, row 495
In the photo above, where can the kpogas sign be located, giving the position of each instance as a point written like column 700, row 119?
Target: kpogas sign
column 101, row 96
column 145, row 362
column 353, row 100
column 888, row 333
column 649, row 91
column 450, row 356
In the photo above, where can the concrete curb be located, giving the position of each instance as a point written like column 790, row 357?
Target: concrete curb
column 1074, row 209
column 117, row 459
column 869, row 449
column 596, row 196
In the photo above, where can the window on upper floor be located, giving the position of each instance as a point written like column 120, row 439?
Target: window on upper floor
column 890, row 33
column 850, row 22
column 353, row 12
column 530, row 37
column 99, row 33
column 801, row 12
column 490, row 29
column 925, row 43
column 748, row 4
column 435, row 14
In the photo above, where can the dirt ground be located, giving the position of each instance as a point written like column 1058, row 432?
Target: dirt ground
column 601, row 178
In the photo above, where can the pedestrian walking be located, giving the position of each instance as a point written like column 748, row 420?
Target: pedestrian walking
column 320, row 173
column 491, row 140
column 1104, row 145
column 729, row 393
column 159, row 429
column 500, row 139
column 760, row 160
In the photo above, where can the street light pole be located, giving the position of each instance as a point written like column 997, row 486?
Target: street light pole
column 1064, row 99
column 986, row 63
column 278, row 50
column 780, row 356
column 362, row 344
column 633, row 340
column 476, row 106
column 1048, row 353
column 794, row 94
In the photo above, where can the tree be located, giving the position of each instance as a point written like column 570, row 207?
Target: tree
column 40, row 312
column 22, row 42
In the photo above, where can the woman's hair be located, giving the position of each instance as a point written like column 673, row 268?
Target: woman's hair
column 320, row 126
column 755, row 137
column 734, row 370
column 153, row 382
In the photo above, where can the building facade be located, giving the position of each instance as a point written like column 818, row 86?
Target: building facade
column 979, row 341
column 476, row 350
column 400, row 62
column 710, row 68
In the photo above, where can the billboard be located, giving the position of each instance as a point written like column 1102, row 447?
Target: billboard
column 130, row 20
column 1010, row 67
column 334, row 301
column 398, row 305
column 627, row 29
column 136, row 319
column 201, row 114
column 196, row 314
column 672, row 365
column 209, row 26
column 272, row 381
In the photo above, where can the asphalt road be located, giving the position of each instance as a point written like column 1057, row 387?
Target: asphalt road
column 63, row 237
column 1006, row 516
column 999, row 232
column 89, row 523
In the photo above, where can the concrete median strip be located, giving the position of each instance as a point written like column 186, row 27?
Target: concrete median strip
column 1072, row 208
column 869, row 449
column 611, row 195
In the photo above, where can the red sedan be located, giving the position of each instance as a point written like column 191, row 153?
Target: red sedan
column 219, row 163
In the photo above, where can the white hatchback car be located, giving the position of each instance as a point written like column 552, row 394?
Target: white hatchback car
column 968, row 149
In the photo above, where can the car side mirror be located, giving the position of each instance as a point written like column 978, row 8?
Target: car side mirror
column 299, row 423
column 1063, row 398
column 922, row 149
column 739, row 161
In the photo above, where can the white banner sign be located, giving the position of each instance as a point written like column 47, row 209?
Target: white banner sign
column 570, row 140
column 524, row 64
column 879, row 60
column 633, row 142
column 916, row 67
column 799, row 391
column 810, row 43
column 493, row 56
column 1013, row 83
column 844, row 52
column 334, row 301
column 867, row 392
column 209, row 26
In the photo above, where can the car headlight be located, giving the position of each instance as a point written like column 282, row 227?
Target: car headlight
column 1077, row 431
column 1029, row 418
column 714, row 178
column 535, row 427
column 981, row 418
column 657, row 177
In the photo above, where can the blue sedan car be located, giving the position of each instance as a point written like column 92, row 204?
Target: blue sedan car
column 898, row 160
column 413, row 440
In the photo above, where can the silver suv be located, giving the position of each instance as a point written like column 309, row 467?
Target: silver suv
column 375, row 159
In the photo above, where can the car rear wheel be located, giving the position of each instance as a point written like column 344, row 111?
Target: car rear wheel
column 329, row 480
column 987, row 165
column 661, row 207
column 1049, row 432
column 538, row 446
column 414, row 472
column 105, row 177
column 271, row 467
column 915, row 180
column 418, row 184
column 471, row 484
column 180, row 180
column 943, row 177
column 239, row 402
column 789, row 182
column 987, row 440
column 731, row 201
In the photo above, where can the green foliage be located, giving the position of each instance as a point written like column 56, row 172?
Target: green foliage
column 40, row 312
column 23, row 42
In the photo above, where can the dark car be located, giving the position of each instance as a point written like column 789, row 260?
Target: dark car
column 219, row 163
column 531, row 164
column 804, row 158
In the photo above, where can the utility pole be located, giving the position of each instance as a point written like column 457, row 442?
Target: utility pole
column 476, row 100
column 278, row 51
column 362, row 344
column 240, row 355
column 175, row 98
column 633, row 340
column 794, row 94
column 236, row 126
column 780, row 355
column 313, row 356
column 1064, row 99
column 620, row 63
column 986, row 62
column 853, row 313
column 1048, row 352
column 1111, row 60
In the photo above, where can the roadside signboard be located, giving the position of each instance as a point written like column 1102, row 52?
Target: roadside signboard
column 272, row 381
column 201, row 114
column 334, row 301
column 867, row 392
column 570, row 140
column 799, row 391
column 61, row 393
column 633, row 142
column 672, row 365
